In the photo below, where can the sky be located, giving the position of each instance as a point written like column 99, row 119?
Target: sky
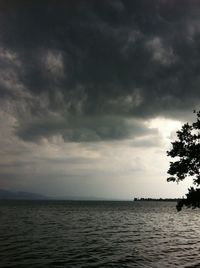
column 92, row 94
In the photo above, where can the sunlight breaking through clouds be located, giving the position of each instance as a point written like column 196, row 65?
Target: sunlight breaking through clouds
column 165, row 126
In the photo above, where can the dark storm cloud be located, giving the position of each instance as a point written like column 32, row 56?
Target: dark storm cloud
column 82, row 128
column 109, row 59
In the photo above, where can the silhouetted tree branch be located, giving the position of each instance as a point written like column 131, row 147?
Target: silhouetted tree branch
column 186, row 152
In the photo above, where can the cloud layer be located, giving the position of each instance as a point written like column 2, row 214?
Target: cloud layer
column 95, row 72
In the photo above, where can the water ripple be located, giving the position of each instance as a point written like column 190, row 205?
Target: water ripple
column 98, row 234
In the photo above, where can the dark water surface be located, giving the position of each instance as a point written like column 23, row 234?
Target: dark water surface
column 98, row 234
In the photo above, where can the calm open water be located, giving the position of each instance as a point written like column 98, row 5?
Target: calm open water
column 98, row 234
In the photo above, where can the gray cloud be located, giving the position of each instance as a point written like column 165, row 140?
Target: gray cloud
column 82, row 128
column 114, row 58
column 78, row 77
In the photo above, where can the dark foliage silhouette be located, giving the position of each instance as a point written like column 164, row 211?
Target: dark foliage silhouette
column 186, row 153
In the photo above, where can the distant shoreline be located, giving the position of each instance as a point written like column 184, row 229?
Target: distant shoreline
column 157, row 199
column 88, row 200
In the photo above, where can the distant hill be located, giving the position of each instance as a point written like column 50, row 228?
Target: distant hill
column 5, row 194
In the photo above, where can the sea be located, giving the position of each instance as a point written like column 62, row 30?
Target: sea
column 103, row 234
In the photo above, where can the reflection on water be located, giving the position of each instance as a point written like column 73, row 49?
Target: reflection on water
column 98, row 234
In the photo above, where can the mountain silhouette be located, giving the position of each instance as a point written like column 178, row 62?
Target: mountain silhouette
column 5, row 194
